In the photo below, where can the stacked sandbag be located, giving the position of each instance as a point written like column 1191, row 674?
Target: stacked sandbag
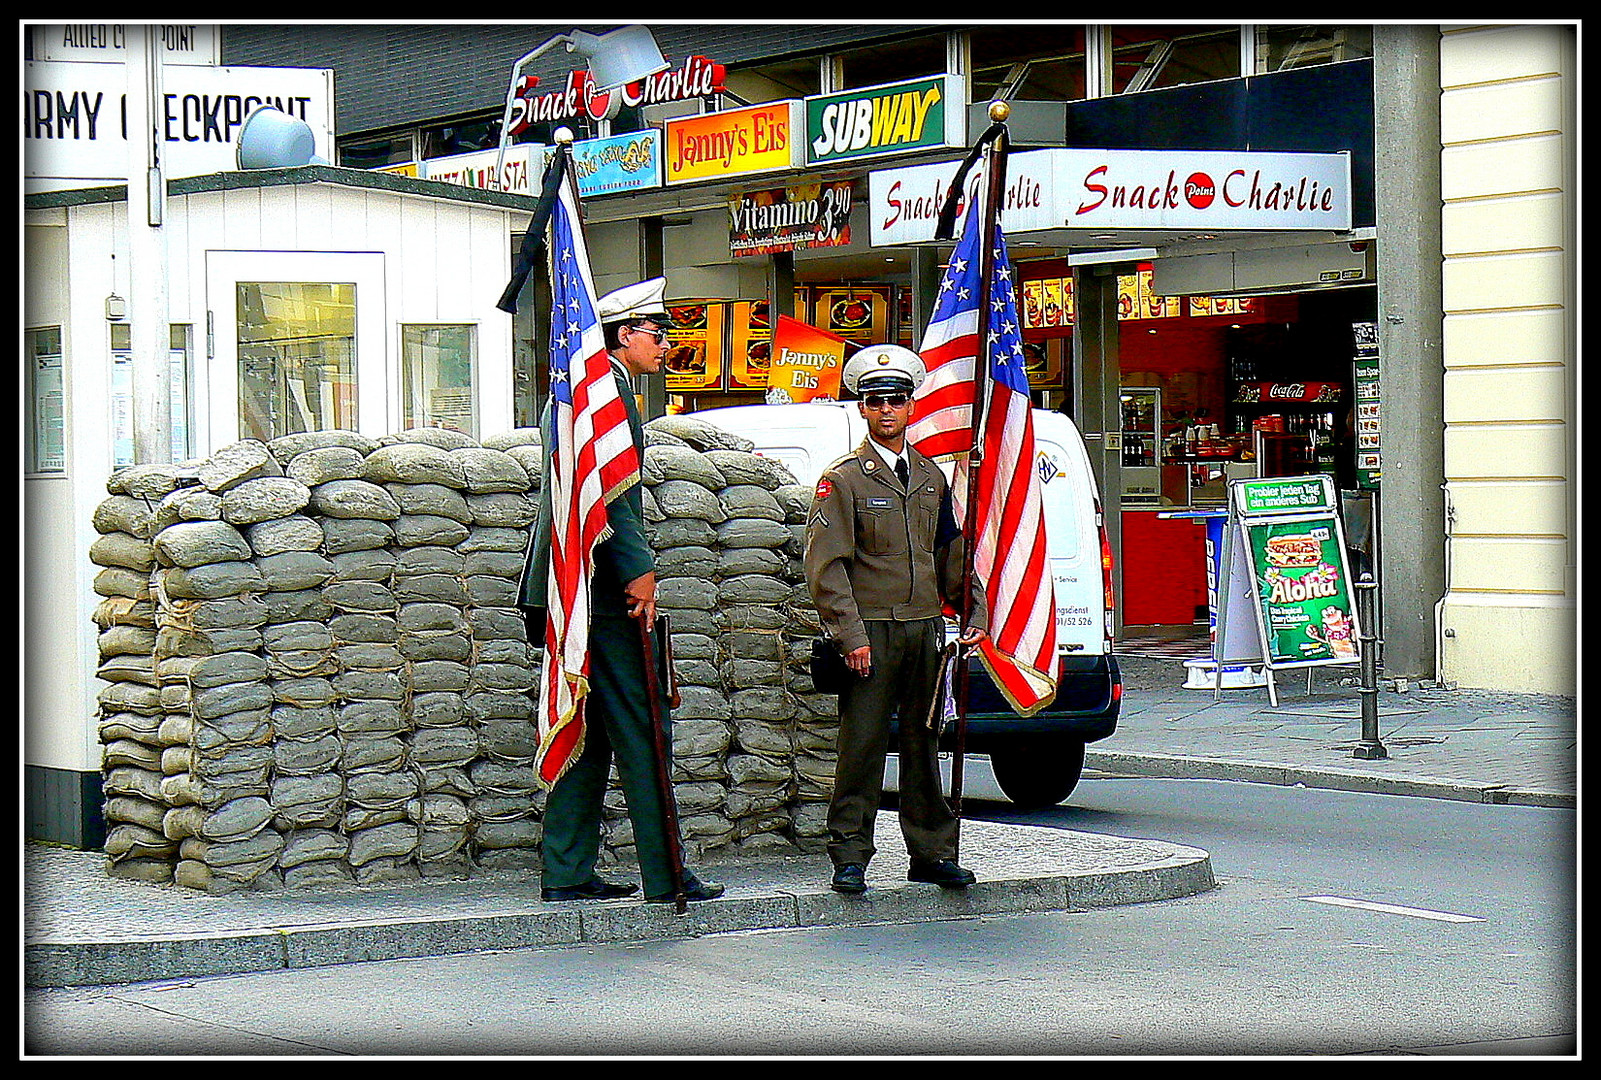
column 211, row 611
column 462, row 541
column 725, row 572
column 130, row 710
column 317, row 672
column 314, row 632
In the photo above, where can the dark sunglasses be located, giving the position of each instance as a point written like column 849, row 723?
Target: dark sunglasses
column 878, row 401
column 660, row 334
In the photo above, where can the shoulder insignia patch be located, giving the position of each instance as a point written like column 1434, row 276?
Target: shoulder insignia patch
column 825, row 488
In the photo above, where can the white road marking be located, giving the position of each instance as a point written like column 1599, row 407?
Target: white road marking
column 1393, row 909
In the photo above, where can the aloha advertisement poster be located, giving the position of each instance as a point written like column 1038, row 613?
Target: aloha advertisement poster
column 1303, row 595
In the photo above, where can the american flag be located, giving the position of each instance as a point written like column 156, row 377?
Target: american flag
column 1009, row 554
column 593, row 460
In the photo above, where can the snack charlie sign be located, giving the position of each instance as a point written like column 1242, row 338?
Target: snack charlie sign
column 1284, row 548
column 1071, row 188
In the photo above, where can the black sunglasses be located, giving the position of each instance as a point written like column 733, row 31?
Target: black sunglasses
column 878, row 401
column 660, row 334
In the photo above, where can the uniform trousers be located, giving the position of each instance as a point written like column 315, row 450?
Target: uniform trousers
column 905, row 657
column 617, row 719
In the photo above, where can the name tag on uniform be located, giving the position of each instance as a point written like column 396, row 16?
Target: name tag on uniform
column 879, row 504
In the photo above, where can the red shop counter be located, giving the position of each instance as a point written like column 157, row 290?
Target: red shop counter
column 1164, row 568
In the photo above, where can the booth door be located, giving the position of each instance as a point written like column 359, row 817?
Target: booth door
column 296, row 341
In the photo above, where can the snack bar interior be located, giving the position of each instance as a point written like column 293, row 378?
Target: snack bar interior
column 1213, row 389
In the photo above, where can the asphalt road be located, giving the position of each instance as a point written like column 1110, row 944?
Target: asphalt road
column 1474, row 955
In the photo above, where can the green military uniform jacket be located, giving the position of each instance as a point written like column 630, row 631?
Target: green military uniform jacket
column 874, row 551
column 621, row 558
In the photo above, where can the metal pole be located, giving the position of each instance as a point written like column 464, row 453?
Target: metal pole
column 1370, row 748
column 989, row 221
column 151, row 388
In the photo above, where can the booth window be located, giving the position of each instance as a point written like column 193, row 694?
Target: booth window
column 297, row 357
column 180, row 356
column 47, row 418
column 436, row 375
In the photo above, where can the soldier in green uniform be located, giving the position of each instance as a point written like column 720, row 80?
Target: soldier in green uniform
column 883, row 555
column 618, row 717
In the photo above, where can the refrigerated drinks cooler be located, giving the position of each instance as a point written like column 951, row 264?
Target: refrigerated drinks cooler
column 1142, row 444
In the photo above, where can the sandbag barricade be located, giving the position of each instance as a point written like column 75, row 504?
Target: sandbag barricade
column 315, row 672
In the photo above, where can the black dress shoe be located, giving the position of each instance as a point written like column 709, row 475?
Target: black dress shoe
column 943, row 872
column 694, row 889
column 593, row 889
column 849, row 878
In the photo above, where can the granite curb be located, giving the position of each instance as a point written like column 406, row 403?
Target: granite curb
column 86, row 934
column 1195, row 767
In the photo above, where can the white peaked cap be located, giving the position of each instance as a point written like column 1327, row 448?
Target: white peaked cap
column 883, row 367
column 642, row 300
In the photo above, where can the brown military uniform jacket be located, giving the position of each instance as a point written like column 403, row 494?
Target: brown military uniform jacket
column 874, row 551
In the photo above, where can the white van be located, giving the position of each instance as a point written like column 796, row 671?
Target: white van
column 1036, row 761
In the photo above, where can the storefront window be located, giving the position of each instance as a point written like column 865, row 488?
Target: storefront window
column 1054, row 56
column 180, row 357
column 460, row 137
column 893, row 61
column 1279, row 48
column 436, row 365
column 376, row 151
column 1153, row 57
column 297, row 357
column 47, row 430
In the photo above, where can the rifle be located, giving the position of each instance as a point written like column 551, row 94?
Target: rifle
column 655, row 679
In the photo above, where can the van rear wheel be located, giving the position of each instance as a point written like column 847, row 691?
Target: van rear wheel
column 1039, row 772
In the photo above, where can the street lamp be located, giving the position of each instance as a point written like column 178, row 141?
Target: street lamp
column 616, row 58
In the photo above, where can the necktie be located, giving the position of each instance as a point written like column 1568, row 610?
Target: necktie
column 901, row 471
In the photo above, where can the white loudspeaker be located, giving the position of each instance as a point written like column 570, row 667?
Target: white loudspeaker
column 620, row 56
column 272, row 139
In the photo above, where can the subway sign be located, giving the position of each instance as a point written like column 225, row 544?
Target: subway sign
column 919, row 114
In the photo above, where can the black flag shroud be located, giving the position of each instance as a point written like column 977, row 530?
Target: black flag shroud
column 533, row 246
column 946, row 227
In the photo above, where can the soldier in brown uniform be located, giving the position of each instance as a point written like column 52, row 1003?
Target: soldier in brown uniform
column 883, row 556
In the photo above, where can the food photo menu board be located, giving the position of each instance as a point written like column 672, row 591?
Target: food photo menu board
column 695, row 345
column 751, row 340
column 860, row 315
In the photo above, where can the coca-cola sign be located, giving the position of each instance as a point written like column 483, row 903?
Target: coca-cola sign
column 695, row 77
column 1268, row 393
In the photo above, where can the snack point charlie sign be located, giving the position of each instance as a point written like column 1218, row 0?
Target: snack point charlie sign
column 1127, row 189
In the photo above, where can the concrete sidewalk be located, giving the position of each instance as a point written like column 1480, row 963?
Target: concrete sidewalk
column 1476, row 745
column 83, row 928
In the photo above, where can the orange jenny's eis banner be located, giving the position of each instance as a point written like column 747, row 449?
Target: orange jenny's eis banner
column 806, row 362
